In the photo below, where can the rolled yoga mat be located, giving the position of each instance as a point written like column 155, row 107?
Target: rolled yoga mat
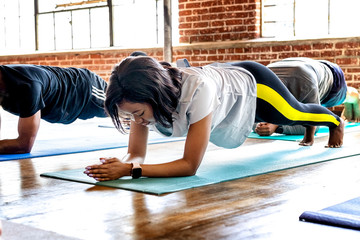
column 345, row 214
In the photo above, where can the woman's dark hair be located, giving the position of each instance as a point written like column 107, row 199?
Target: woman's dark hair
column 144, row 80
column 138, row 53
column 3, row 94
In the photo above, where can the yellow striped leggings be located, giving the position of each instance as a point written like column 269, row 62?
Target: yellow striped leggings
column 275, row 104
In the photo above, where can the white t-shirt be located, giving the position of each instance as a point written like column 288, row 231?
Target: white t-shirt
column 228, row 92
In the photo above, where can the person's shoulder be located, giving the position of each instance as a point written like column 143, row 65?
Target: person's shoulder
column 194, row 74
column 193, row 81
column 74, row 71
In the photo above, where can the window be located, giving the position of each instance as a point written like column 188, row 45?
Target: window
column 310, row 18
column 137, row 22
column 64, row 25
column 16, row 25
column 48, row 25
column 140, row 23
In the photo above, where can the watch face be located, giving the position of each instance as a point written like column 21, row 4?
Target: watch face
column 136, row 172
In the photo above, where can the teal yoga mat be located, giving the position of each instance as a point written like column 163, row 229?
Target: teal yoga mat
column 224, row 165
column 323, row 131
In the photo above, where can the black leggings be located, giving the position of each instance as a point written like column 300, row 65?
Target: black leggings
column 275, row 104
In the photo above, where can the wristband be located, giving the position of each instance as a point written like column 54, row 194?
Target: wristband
column 136, row 170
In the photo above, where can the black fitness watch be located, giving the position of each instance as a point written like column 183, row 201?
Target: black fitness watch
column 136, row 170
column 279, row 129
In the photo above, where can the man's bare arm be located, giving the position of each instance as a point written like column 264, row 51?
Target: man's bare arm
column 27, row 130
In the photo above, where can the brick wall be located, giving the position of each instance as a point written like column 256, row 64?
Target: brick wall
column 99, row 61
column 218, row 20
column 343, row 51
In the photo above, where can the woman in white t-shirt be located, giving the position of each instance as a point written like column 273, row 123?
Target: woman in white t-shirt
column 211, row 103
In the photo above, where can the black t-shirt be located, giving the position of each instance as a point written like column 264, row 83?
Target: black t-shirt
column 60, row 93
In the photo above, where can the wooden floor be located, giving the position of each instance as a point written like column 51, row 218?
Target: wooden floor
column 260, row 207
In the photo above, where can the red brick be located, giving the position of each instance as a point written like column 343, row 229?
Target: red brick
column 205, row 38
column 215, row 58
column 323, row 45
column 347, row 61
column 99, row 62
column 193, row 5
column 309, row 54
column 217, row 10
column 185, row 25
column 76, row 62
column 62, row 58
column 288, row 55
column 353, row 70
column 197, row 58
column 301, row 47
column 201, row 25
column 234, row 8
column 268, row 56
column 185, row 13
column 87, row 56
column 95, row 56
column 87, row 62
column 347, row 45
column 352, row 52
column 50, row 58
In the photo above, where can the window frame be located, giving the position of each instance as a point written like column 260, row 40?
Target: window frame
column 297, row 31
column 37, row 14
column 43, row 33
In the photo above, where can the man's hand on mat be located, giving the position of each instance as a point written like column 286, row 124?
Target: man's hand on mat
column 265, row 129
column 110, row 169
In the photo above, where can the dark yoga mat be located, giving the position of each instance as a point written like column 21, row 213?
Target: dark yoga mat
column 345, row 214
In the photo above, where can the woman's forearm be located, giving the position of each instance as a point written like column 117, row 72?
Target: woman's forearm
column 178, row 168
column 113, row 168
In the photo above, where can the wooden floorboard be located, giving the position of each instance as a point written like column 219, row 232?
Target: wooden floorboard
column 260, row 207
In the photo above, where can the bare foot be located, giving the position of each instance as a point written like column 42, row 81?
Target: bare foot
column 308, row 139
column 336, row 135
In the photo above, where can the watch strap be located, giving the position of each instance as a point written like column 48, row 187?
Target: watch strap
column 136, row 170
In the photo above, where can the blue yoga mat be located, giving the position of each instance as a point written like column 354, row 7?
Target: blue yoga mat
column 61, row 146
column 81, row 136
column 345, row 214
column 224, row 165
column 323, row 131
